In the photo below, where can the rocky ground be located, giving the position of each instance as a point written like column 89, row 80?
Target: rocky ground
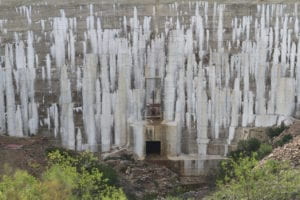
column 141, row 179
column 290, row 151
column 24, row 153
column 145, row 180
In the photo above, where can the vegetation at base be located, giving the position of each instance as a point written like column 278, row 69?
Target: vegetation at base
column 83, row 161
column 245, row 179
column 264, row 149
column 242, row 177
column 285, row 139
column 250, row 146
column 68, row 177
column 275, row 131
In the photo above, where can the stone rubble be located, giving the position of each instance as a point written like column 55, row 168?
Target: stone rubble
column 291, row 151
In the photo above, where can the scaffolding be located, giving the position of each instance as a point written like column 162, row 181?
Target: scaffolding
column 153, row 98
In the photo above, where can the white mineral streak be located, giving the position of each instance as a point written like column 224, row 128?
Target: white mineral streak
column 260, row 76
column 92, row 36
column 78, row 80
column 79, row 146
column 175, row 60
column 292, row 60
column 298, row 81
column 9, row 93
column 60, row 27
column 43, row 73
column 190, row 91
column 30, row 50
column 55, row 118
column 2, row 101
column 275, row 76
column 47, row 120
column 66, row 117
column 120, row 115
column 220, row 27
column 33, row 118
column 106, row 122
column 24, row 98
column 169, row 99
column 202, row 115
column 137, row 43
column 21, row 83
column 180, row 103
column 112, row 64
column 138, row 134
column 18, row 125
column 106, row 116
column 285, row 104
column 247, row 107
column 48, row 67
column 88, row 99
column 98, row 107
column 71, row 48
column 235, row 108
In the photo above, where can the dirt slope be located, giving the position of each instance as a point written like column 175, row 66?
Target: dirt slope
column 290, row 151
column 24, row 153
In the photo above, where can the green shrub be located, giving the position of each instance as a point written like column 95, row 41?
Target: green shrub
column 67, row 178
column 247, row 180
column 59, row 182
column 93, row 180
column 245, row 148
column 19, row 185
column 227, row 170
column 264, row 150
column 83, row 161
column 250, row 145
column 275, row 131
column 285, row 139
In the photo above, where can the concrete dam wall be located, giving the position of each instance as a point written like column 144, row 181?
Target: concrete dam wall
column 179, row 80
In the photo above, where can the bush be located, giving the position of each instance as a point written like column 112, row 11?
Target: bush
column 264, row 150
column 58, row 183
column 227, row 170
column 275, row 131
column 285, row 139
column 83, row 161
column 247, row 180
column 20, row 185
column 68, row 177
column 94, row 180
column 246, row 148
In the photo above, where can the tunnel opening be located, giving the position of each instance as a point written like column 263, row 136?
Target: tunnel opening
column 153, row 148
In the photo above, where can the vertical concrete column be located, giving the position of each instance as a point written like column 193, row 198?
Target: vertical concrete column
column 172, row 140
column 138, row 129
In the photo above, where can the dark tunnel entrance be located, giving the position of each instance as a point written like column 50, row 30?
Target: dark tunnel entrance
column 153, row 148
